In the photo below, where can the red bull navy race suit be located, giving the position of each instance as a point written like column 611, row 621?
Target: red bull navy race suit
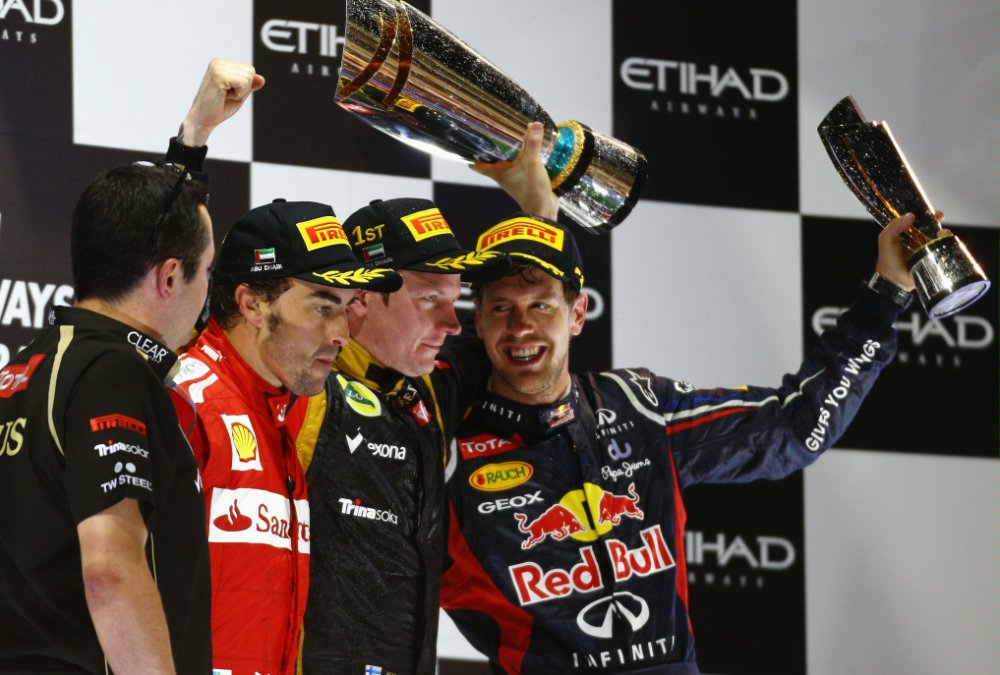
column 565, row 548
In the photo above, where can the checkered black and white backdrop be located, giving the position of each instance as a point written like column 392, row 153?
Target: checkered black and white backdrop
column 883, row 557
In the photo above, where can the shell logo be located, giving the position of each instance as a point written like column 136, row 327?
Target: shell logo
column 245, row 442
column 501, row 476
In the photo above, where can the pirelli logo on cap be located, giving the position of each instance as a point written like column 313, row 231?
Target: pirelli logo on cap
column 322, row 232
column 427, row 223
column 521, row 228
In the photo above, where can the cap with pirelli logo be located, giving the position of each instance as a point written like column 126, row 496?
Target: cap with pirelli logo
column 303, row 240
column 412, row 234
column 538, row 241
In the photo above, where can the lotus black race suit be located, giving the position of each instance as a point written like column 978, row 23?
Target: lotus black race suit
column 374, row 451
column 566, row 539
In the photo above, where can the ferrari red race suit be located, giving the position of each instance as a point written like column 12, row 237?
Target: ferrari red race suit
column 566, row 538
column 256, row 506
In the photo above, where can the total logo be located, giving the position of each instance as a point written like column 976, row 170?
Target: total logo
column 568, row 518
column 533, row 584
column 488, row 445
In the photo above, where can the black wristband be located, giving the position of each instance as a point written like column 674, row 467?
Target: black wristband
column 890, row 291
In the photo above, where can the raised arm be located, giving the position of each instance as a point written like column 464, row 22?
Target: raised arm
column 525, row 178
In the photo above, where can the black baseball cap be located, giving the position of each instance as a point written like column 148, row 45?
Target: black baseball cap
column 303, row 240
column 411, row 234
column 541, row 242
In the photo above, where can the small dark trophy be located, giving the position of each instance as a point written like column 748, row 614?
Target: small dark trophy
column 948, row 279
column 409, row 77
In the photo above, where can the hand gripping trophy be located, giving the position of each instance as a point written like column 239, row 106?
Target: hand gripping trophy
column 409, row 77
column 947, row 277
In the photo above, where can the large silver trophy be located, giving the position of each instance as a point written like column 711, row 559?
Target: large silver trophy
column 409, row 77
column 948, row 279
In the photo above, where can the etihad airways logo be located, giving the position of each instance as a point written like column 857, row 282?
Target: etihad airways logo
column 41, row 12
column 924, row 342
column 526, row 229
column 711, row 80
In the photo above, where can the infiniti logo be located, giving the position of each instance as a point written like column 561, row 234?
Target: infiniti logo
column 626, row 605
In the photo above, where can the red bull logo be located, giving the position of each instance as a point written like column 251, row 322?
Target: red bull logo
column 612, row 508
column 576, row 510
column 557, row 522
column 534, row 584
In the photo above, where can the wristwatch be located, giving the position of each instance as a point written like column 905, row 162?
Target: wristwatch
column 890, row 291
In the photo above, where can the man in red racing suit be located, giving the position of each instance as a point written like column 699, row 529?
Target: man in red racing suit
column 284, row 278
column 566, row 537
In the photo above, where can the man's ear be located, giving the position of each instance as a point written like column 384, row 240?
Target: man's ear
column 357, row 310
column 578, row 313
column 251, row 306
column 168, row 276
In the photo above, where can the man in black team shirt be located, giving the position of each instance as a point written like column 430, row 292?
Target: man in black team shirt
column 103, row 557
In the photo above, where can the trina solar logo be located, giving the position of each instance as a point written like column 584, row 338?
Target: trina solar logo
column 703, row 89
column 521, row 228
column 924, row 342
column 322, row 232
column 307, row 39
column 425, row 224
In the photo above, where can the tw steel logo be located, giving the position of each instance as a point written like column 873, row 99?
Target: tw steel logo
column 532, row 584
column 568, row 518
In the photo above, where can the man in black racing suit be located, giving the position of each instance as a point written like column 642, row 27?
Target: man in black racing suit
column 566, row 538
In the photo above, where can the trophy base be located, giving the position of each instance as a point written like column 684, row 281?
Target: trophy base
column 947, row 277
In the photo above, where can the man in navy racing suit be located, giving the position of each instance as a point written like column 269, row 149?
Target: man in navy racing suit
column 566, row 537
